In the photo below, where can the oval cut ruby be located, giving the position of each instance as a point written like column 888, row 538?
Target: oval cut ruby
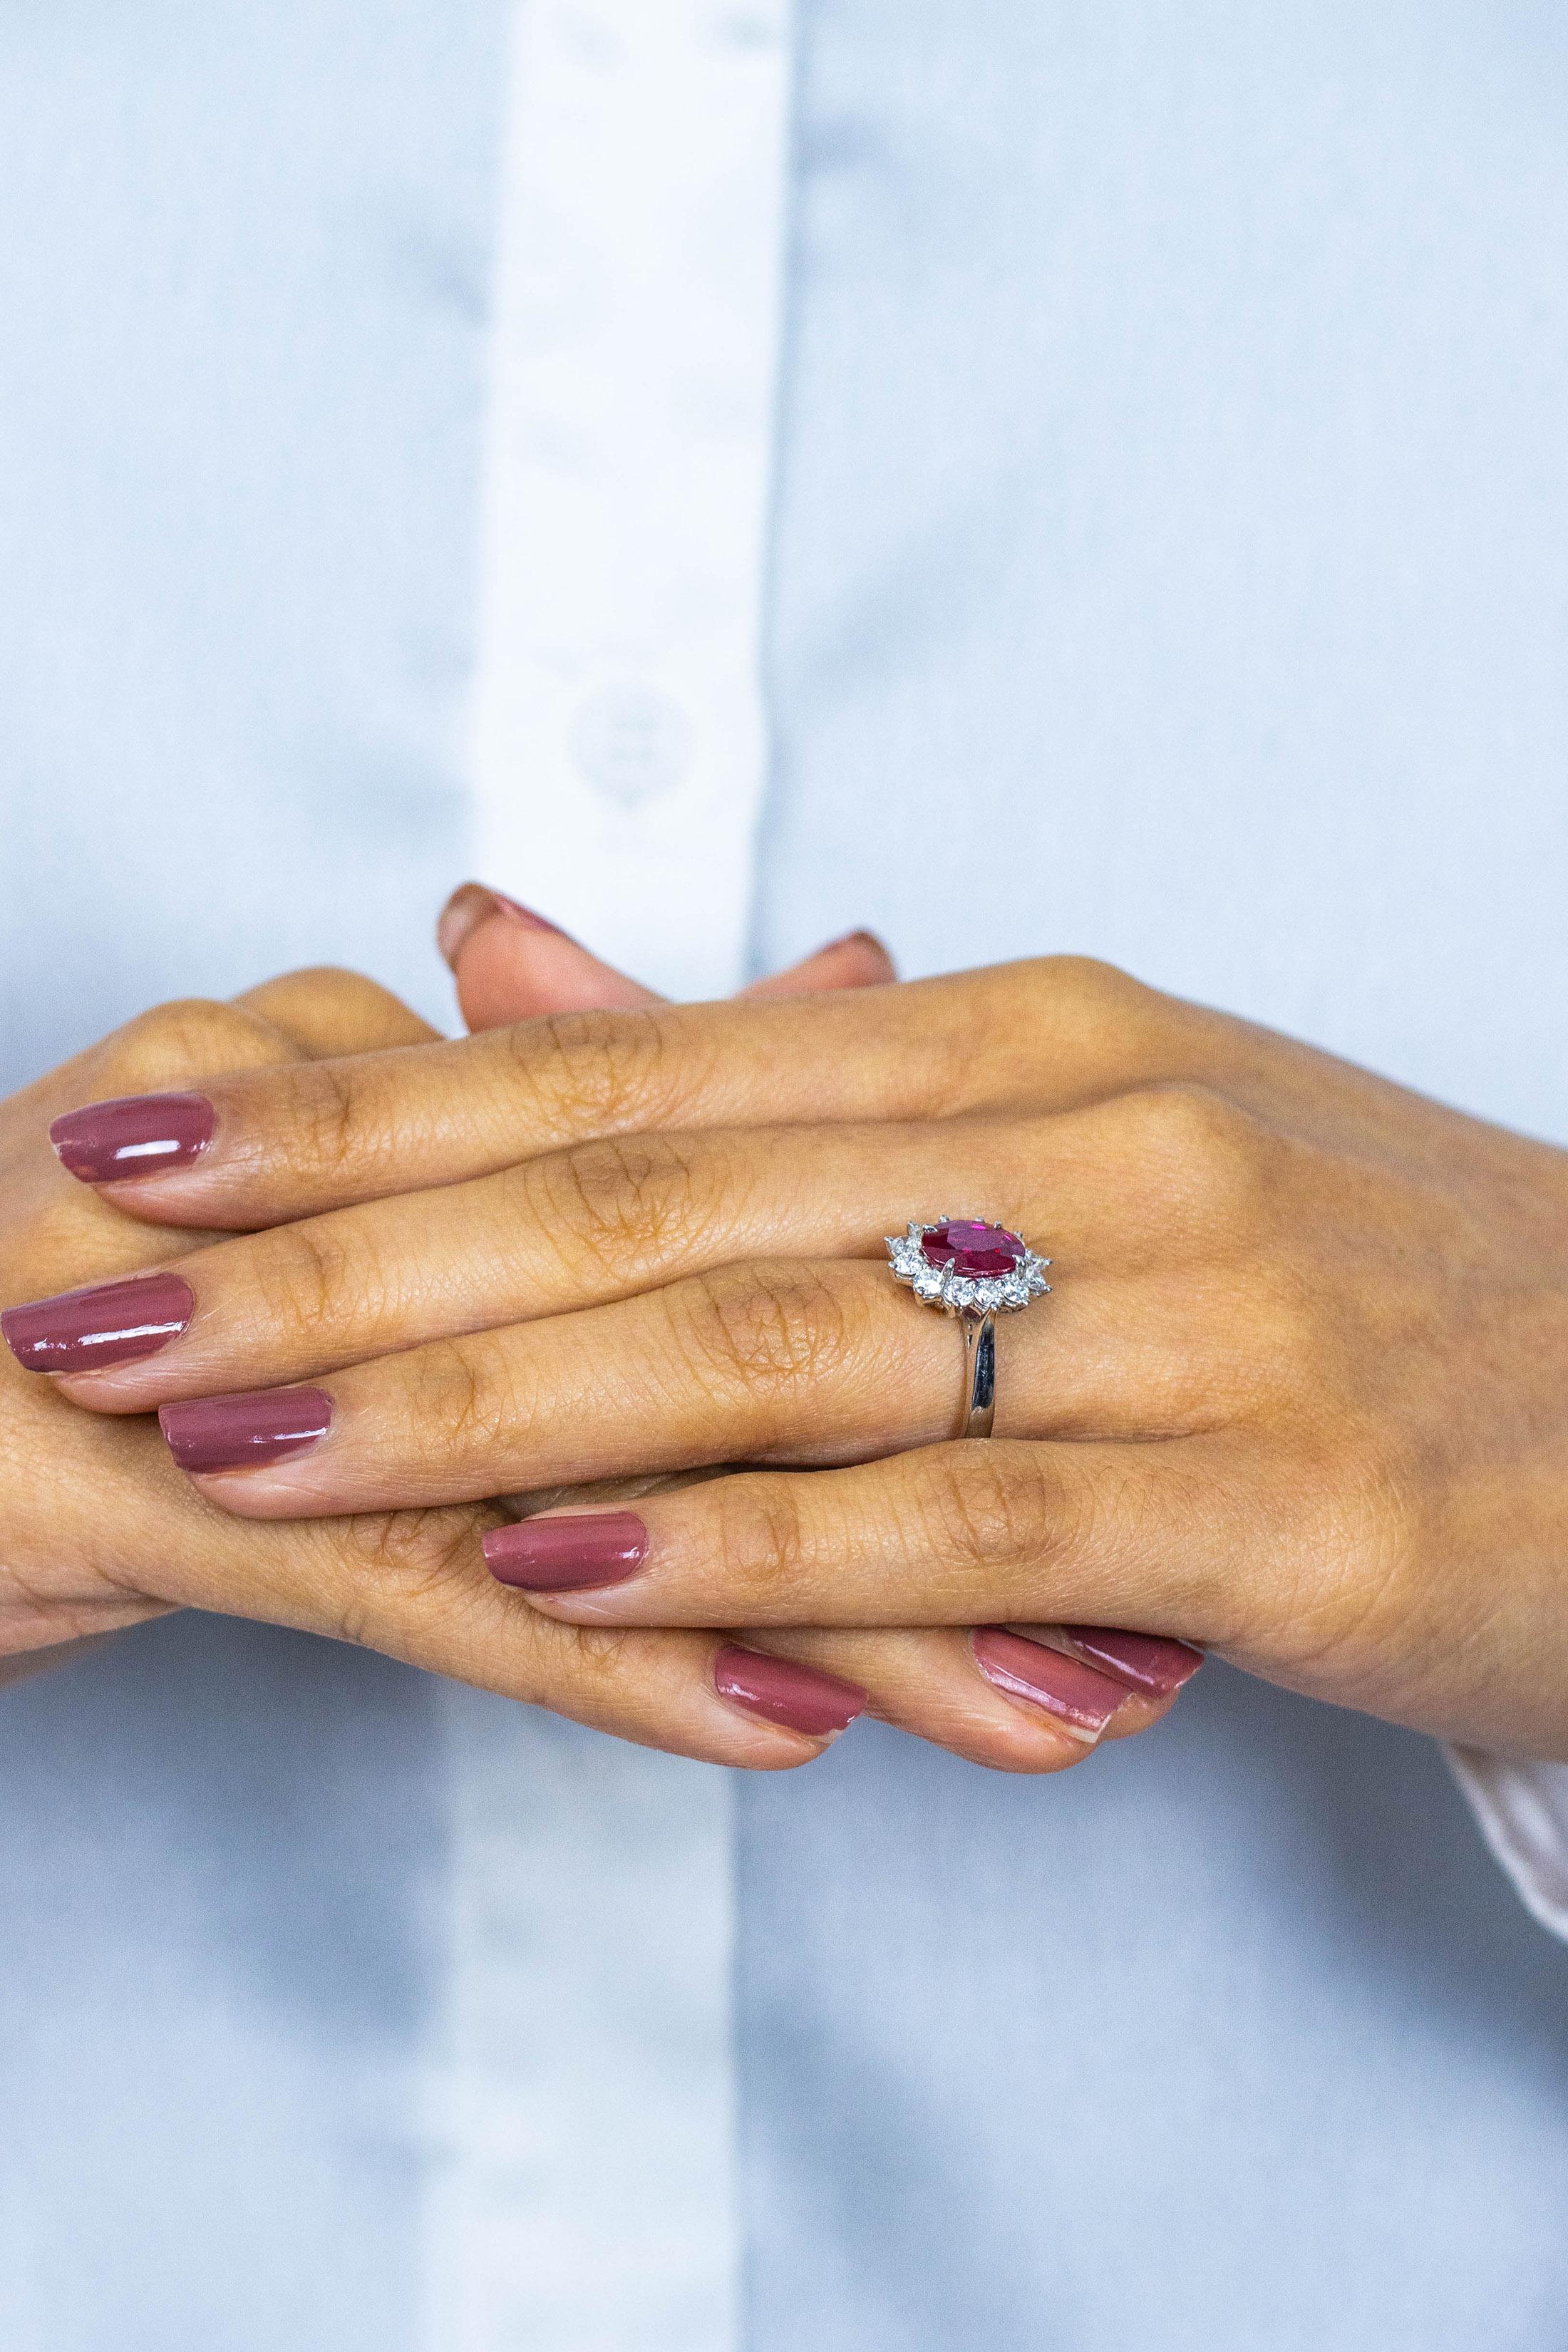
column 971, row 1247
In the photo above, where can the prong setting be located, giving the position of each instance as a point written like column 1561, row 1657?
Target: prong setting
column 963, row 1294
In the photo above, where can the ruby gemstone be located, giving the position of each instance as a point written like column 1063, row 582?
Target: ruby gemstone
column 970, row 1247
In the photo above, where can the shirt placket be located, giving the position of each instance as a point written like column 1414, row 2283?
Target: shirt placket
column 620, row 740
column 582, row 2104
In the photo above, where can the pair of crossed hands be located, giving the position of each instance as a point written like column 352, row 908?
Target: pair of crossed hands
column 1298, row 1396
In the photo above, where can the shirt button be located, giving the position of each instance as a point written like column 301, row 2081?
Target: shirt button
column 631, row 742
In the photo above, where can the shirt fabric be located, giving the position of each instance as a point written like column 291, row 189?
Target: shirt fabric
column 1162, row 466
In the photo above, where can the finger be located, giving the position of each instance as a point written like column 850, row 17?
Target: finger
column 172, row 1045
column 128, row 1536
column 603, row 1222
column 1011, row 1534
column 1142, row 1337
column 1030, row 1707
column 929, row 1682
column 511, row 964
column 782, row 1360
column 775, row 1364
column 416, row 1586
column 327, row 1133
column 331, row 1011
column 60, row 1232
column 858, row 960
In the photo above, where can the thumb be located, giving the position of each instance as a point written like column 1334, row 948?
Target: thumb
column 510, row 964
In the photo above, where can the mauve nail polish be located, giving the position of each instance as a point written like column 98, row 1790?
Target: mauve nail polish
column 1145, row 1662
column 798, row 1697
column 1081, row 1700
column 112, row 1323
column 245, row 1433
column 530, row 916
column 569, row 1554
column 137, row 1135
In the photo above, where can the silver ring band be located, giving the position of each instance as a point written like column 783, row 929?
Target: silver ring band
column 979, row 1374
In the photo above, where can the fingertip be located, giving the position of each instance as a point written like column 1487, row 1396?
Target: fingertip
column 471, row 904
column 857, row 961
column 511, row 964
column 869, row 955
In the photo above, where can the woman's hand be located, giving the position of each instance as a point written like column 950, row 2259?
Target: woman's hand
column 98, row 1531
column 1298, row 1395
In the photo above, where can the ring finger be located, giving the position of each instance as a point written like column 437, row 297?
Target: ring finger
column 788, row 1362
column 597, row 1222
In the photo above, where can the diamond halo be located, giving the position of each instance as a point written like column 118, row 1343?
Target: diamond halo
column 964, row 1294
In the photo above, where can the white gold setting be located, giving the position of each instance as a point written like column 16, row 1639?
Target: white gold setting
column 963, row 1294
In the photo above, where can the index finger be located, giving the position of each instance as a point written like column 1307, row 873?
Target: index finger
column 258, row 1148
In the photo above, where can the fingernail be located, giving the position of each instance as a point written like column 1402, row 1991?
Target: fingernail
column 112, row 1323
column 1081, row 1700
column 798, row 1697
column 136, row 1135
column 859, row 939
column 1145, row 1662
column 245, row 1433
column 569, row 1553
column 473, row 904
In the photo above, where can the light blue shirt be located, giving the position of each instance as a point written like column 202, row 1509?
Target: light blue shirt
column 1171, row 469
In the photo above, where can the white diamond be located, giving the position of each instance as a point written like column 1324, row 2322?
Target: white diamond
column 1015, row 1291
column 988, row 1295
column 927, row 1283
column 906, row 1255
column 961, row 1291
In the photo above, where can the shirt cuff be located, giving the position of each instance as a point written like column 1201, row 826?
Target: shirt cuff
column 1523, row 1812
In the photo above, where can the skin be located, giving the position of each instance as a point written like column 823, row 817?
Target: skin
column 101, row 1532
column 1298, row 1396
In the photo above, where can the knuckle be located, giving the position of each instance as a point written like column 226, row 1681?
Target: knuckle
column 627, row 1204
column 403, row 1559
column 766, row 1332
column 328, row 1122
column 1109, row 1024
column 1090, row 1002
column 987, row 1507
column 758, row 1540
column 464, row 1398
column 192, row 1037
column 1091, row 982
column 329, row 1008
column 591, row 1072
column 309, row 1277
column 1202, row 1152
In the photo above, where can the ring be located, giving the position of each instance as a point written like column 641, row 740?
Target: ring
column 975, row 1271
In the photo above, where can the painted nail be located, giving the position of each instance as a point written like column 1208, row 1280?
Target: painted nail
column 567, row 1554
column 861, row 938
column 1145, row 1662
column 1081, row 1700
column 136, row 1135
column 798, row 1697
column 245, row 1433
column 112, row 1323
column 474, row 903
